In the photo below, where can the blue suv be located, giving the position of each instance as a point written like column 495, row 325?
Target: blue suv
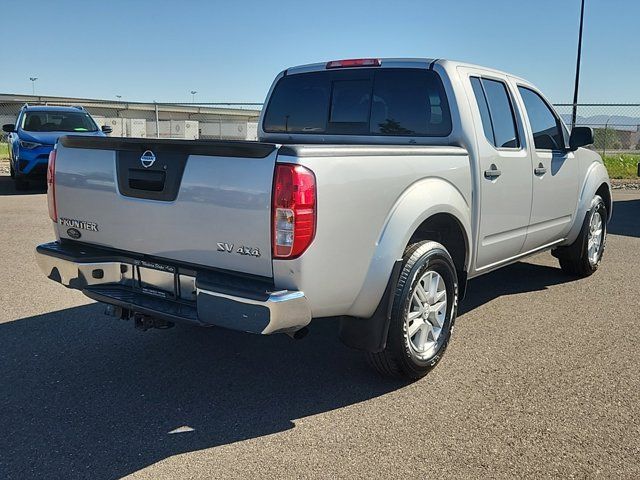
column 35, row 133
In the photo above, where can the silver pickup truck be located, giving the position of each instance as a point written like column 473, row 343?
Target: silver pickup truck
column 377, row 190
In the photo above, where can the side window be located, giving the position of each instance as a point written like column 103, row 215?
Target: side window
column 547, row 134
column 496, row 111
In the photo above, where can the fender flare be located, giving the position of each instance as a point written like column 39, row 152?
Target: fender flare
column 370, row 311
column 596, row 175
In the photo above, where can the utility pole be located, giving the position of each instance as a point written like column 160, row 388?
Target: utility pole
column 157, row 120
column 33, row 84
column 575, row 90
column 604, row 142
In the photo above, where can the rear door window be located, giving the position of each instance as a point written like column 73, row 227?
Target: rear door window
column 496, row 111
column 409, row 102
column 481, row 100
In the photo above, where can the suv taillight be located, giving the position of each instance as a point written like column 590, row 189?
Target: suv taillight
column 51, row 186
column 293, row 210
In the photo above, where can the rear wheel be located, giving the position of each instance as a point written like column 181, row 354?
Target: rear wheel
column 583, row 256
column 423, row 313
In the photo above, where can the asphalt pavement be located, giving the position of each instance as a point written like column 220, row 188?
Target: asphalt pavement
column 542, row 379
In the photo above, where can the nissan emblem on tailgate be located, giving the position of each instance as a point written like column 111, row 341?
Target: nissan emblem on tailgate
column 148, row 159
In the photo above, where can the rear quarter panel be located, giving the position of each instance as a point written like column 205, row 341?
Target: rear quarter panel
column 370, row 201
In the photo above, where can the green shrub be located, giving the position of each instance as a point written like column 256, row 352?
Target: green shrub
column 622, row 165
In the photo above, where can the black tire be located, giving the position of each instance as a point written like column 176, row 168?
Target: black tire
column 574, row 259
column 20, row 183
column 398, row 359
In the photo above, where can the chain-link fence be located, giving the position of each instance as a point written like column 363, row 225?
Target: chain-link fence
column 616, row 126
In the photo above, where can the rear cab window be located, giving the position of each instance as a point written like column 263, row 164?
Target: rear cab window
column 363, row 101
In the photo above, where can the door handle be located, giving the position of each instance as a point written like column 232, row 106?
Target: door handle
column 492, row 173
column 540, row 170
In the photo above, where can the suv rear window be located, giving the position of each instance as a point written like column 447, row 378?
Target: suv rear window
column 409, row 102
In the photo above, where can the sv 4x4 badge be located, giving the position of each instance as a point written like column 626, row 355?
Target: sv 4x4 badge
column 242, row 250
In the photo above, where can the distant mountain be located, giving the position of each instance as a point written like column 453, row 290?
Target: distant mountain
column 619, row 122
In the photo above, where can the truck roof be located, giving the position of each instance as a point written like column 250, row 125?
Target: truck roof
column 401, row 63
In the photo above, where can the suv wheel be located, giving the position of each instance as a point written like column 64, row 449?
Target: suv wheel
column 423, row 313
column 583, row 256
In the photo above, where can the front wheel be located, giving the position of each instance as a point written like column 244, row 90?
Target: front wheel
column 582, row 258
column 423, row 313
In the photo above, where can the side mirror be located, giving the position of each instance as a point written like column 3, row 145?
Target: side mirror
column 107, row 129
column 9, row 128
column 580, row 137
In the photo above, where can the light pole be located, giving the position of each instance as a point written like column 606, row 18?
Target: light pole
column 575, row 90
column 118, row 97
column 33, row 84
column 193, row 96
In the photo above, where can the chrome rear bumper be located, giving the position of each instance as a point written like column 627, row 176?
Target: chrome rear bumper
column 201, row 297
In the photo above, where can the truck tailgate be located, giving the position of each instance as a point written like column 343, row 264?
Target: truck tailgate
column 201, row 202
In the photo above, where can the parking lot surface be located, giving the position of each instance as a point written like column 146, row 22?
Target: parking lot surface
column 541, row 379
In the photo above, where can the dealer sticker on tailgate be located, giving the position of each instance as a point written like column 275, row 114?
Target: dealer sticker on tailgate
column 155, row 266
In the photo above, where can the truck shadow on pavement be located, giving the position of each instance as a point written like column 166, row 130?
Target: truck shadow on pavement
column 519, row 277
column 626, row 218
column 85, row 395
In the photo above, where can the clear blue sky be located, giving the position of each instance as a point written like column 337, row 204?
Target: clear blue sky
column 230, row 50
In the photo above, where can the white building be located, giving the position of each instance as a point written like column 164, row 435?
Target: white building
column 160, row 120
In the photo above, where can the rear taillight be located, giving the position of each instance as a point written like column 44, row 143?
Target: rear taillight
column 51, row 186
column 294, row 210
column 354, row 62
